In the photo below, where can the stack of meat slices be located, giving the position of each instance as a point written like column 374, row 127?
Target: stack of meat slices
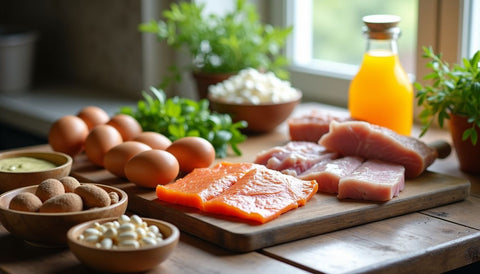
column 354, row 159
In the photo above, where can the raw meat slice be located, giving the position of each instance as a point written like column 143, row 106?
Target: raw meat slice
column 374, row 180
column 262, row 195
column 355, row 138
column 328, row 173
column 310, row 127
column 202, row 184
column 293, row 158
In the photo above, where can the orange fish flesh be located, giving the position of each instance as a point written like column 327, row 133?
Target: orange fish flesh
column 245, row 190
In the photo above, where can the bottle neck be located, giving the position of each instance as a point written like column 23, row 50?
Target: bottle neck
column 387, row 46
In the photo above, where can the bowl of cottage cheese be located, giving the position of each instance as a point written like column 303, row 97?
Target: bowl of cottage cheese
column 261, row 99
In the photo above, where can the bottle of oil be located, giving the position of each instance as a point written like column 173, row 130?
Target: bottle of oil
column 381, row 92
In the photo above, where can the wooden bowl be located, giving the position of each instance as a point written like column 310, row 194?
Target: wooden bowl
column 12, row 180
column 261, row 118
column 123, row 259
column 50, row 229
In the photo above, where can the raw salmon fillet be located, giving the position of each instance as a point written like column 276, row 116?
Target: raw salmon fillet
column 370, row 141
column 245, row 190
column 374, row 180
column 202, row 184
column 262, row 195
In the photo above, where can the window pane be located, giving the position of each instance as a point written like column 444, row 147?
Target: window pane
column 337, row 29
column 473, row 21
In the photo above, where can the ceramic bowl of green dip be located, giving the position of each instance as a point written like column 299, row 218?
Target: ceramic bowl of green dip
column 26, row 168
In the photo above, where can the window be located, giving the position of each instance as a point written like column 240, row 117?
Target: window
column 327, row 45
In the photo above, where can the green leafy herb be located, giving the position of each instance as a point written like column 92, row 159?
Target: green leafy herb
column 179, row 117
column 222, row 43
column 454, row 90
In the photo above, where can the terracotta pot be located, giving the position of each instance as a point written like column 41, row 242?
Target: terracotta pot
column 468, row 154
column 204, row 80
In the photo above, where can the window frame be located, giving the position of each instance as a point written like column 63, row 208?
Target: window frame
column 439, row 23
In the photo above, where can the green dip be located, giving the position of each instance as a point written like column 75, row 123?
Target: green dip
column 24, row 164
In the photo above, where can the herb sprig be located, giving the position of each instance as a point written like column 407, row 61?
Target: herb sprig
column 454, row 90
column 178, row 117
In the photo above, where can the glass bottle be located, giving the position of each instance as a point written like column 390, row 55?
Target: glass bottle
column 381, row 92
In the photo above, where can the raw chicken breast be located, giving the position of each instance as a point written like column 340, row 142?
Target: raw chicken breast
column 374, row 180
column 328, row 173
column 355, row 138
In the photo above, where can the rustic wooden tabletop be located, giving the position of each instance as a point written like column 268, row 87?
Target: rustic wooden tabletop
column 432, row 240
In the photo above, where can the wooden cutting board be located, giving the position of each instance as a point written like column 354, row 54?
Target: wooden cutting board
column 323, row 213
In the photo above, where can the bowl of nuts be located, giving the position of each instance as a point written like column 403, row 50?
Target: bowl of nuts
column 42, row 214
column 123, row 244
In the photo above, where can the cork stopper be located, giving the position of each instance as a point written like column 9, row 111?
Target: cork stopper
column 381, row 26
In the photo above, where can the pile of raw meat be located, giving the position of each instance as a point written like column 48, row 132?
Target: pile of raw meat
column 353, row 159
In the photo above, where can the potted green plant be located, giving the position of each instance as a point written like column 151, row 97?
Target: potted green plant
column 220, row 45
column 454, row 95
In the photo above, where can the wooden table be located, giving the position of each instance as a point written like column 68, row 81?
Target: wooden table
column 434, row 240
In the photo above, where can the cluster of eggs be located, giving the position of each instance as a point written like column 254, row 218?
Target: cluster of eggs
column 254, row 87
column 121, row 146
column 129, row 232
column 63, row 195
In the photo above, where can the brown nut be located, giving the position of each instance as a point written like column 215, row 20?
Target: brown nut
column 69, row 183
column 93, row 196
column 114, row 198
column 67, row 202
column 49, row 188
column 25, row 201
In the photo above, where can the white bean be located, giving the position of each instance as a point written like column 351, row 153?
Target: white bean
column 129, row 243
column 126, row 236
column 106, row 243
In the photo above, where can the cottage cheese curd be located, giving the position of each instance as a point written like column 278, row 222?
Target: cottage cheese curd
column 252, row 86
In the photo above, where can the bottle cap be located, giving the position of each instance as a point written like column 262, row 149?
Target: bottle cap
column 381, row 26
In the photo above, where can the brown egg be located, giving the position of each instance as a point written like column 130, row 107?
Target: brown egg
column 153, row 139
column 152, row 167
column 116, row 158
column 99, row 141
column 128, row 126
column 192, row 152
column 93, row 116
column 68, row 135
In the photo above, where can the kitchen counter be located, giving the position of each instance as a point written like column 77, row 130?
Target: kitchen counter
column 433, row 240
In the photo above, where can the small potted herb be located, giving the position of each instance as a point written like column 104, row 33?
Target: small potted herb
column 221, row 45
column 454, row 95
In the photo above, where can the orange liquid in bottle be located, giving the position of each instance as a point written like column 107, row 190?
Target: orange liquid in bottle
column 381, row 93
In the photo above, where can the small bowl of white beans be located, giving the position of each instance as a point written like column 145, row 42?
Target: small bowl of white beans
column 261, row 99
column 123, row 244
